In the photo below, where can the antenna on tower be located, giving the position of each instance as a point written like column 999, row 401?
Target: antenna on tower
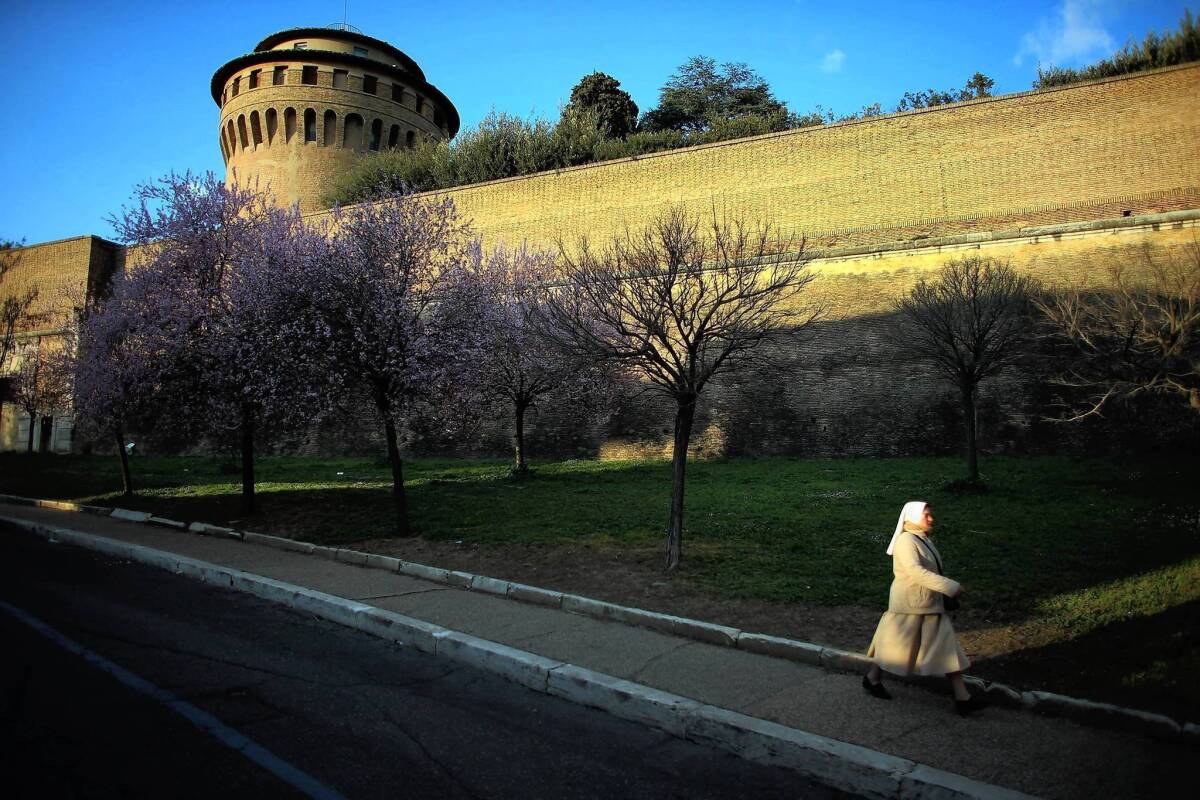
column 344, row 25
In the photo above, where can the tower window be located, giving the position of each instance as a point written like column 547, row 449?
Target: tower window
column 309, row 76
column 352, row 136
column 279, row 76
column 310, row 125
column 300, row 46
column 237, row 85
column 254, row 73
column 339, row 78
column 255, row 129
column 410, row 138
column 394, row 136
column 397, row 93
column 330, row 128
column 420, row 104
column 439, row 119
column 289, row 125
column 370, row 84
column 376, row 133
column 360, row 51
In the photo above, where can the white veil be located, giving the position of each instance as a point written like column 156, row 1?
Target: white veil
column 914, row 512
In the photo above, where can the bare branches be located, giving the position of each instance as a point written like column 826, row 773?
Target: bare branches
column 684, row 299
column 679, row 302
column 969, row 323
column 1138, row 334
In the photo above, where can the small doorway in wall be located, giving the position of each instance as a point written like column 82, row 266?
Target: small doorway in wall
column 46, row 435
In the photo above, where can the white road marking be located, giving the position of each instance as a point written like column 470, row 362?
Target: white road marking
column 252, row 750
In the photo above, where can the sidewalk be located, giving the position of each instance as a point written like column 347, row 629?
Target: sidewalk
column 1019, row 750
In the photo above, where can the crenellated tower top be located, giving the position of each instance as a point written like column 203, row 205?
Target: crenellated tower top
column 307, row 102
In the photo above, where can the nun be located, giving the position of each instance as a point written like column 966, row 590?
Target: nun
column 915, row 636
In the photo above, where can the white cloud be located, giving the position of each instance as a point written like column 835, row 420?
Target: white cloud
column 833, row 60
column 1074, row 35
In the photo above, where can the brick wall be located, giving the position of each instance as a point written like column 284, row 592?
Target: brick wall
column 297, row 171
column 1129, row 144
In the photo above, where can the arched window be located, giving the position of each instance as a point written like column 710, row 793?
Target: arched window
column 230, row 136
column 330, row 128
column 394, row 136
column 272, row 126
column 420, row 105
column 376, row 133
column 237, row 85
column 310, row 125
column 243, row 141
column 289, row 125
column 224, row 147
column 352, row 136
column 255, row 129
column 410, row 139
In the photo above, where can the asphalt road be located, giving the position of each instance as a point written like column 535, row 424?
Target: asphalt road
column 351, row 714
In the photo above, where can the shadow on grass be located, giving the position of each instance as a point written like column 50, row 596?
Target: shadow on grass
column 784, row 530
column 1148, row 662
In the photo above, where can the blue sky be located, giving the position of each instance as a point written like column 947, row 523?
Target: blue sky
column 104, row 95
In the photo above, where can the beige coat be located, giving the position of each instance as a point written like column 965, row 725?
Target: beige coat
column 917, row 587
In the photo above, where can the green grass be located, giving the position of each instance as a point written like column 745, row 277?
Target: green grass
column 1064, row 537
column 1085, row 573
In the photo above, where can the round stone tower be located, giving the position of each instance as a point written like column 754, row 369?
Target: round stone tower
column 309, row 101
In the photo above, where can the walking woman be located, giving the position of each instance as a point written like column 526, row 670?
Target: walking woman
column 915, row 636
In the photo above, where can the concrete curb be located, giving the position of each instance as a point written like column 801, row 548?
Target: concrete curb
column 1095, row 714
column 838, row 764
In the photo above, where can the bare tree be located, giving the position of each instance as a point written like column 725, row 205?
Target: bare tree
column 1138, row 334
column 521, row 366
column 970, row 321
column 43, row 383
column 678, row 303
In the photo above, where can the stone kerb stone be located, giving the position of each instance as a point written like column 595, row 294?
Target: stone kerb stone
column 832, row 659
column 844, row 766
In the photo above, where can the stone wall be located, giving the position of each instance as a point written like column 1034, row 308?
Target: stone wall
column 63, row 272
column 1128, row 145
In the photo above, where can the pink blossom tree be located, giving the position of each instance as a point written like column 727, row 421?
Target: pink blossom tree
column 206, row 330
column 397, row 300
column 524, row 363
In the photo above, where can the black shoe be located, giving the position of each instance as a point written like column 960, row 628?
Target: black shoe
column 876, row 689
column 965, row 707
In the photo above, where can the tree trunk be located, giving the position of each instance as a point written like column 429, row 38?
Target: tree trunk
column 247, row 462
column 685, row 413
column 519, row 465
column 126, row 477
column 398, row 498
column 968, row 401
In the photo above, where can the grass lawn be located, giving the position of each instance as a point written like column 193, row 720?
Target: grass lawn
column 1067, row 557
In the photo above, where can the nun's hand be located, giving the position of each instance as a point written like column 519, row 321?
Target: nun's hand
column 962, row 590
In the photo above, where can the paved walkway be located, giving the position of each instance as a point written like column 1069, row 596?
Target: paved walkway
column 1045, row 756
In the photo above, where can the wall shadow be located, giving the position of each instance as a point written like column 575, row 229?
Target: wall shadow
column 1145, row 662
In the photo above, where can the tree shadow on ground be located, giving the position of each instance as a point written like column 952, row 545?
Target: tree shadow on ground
column 1144, row 662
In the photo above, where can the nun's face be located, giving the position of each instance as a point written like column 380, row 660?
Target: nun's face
column 927, row 518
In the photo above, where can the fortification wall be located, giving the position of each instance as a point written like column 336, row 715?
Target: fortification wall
column 60, row 271
column 294, row 138
column 854, row 389
column 1061, row 184
column 1098, row 150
